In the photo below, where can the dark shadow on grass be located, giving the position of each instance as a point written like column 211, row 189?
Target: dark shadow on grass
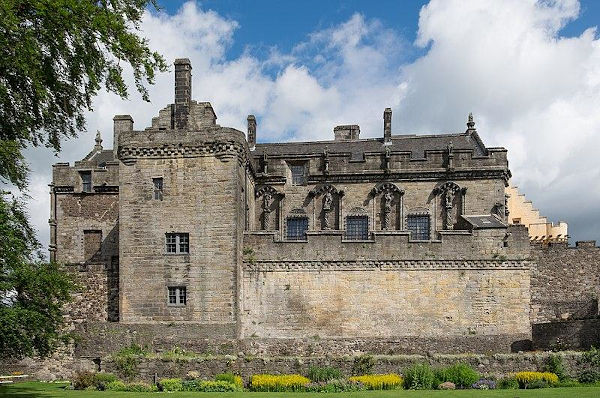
column 28, row 390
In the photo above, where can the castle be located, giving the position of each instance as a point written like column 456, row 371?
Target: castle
column 403, row 239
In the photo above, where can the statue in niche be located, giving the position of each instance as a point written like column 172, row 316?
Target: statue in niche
column 448, row 199
column 327, row 207
column 388, row 198
column 266, row 206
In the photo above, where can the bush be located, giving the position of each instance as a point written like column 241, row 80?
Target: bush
column 170, row 385
column 592, row 358
column 265, row 382
column 568, row 383
column 418, row 377
column 210, row 386
column 83, row 380
column 535, row 379
column 116, row 385
column 554, row 364
column 339, row 385
column 484, row 384
column 230, row 378
column 508, row 383
column 102, row 379
column 462, row 375
column 389, row 381
column 319, row 374
column 447, row 385
column 588, row 377
column 363, row 365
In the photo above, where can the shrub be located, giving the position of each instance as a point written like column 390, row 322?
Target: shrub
column 592, row 358
column 568, row 383
column 338, row 385
column 389, row 381
column 116, row 385
column 170, row 385
column 484, row 384
column 319, row 374
column 363, row 365
column 83, row 380
column 265, row 382
column 508, row 383
column 462, row 375
column 418, row 377
column 209, row 386
column 532, row 379
column 102, row 379
column 231, row 378
column 588, row 377
column 447, row 385
column 554, row 364
column 127, row 359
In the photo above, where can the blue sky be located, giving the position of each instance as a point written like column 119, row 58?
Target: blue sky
column 529, row 71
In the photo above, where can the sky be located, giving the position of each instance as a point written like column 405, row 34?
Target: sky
column 528, row 70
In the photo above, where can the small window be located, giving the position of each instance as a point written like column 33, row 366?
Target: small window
column 86, row 181
column 418, row 227
column 177, row 295
column 357, row 227
column 178, row 243
column 158, row 188
column 296, row 228
column 298, row 174
column 516, row 221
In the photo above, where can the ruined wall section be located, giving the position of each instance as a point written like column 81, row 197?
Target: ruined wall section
column 565, row 282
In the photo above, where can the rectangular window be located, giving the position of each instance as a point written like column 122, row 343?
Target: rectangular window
column 92, row 242
column 357, row 227
column 178, row 243
column 298, row 174
column 296, row 228
column 177, row 295
column 86, row 181
column 418, row 227
column 158, row 188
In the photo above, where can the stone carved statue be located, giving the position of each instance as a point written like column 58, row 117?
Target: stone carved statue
column 327, row 207
column 388, row 198
column 266, row 206
column 448, row 199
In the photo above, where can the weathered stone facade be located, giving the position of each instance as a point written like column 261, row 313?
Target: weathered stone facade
column 392, row 243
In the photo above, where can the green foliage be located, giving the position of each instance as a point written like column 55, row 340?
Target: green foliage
column 230, row 378
column 588, row 377
column 83, row 380
column 462, row 375
column 539, row 383
column 508, row 383
column 127, row 360
column 170, row 385
column 363, row 365
column 418, row 377
column 209, row 386
column 554, row 364
column 176, row 354
column 54, row 57
column 591, row 358
column 326, row 373
column 338, row 385
column 116, row 385
column 33, row 291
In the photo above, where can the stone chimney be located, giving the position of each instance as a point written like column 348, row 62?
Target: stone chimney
column 346, row 132
column 121, row 123
column 251, row 132
column 183, row 92
column 387, row 126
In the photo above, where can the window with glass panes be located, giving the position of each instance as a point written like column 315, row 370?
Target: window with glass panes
column 177, row 295
column 158, row 188
column 178, row 243
column 357, row 227
column 298, row 177
column 296, row 228
column 418, row 225
column 86, row 181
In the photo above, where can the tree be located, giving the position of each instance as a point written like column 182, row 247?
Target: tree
column 54, row 57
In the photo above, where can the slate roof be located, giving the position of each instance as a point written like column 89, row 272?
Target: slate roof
column 416, row 144
column 100, row 158
column 484, row 221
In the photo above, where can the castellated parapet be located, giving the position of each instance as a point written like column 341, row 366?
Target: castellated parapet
column 393, row 239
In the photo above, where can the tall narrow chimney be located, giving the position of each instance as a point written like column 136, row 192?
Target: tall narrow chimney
column 387, row 126
column 183, row 91
column 121, row 124
column 251, row 132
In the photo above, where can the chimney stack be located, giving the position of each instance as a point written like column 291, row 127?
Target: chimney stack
column 251, row 132
column 387, row 126
column 121, row 124
column 183, row 91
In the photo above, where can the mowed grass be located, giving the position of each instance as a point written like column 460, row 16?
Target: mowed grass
column 42, row 390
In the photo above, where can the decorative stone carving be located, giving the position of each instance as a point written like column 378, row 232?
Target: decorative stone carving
column 329, row 193
column 326, row 160
column 388, row 198
column 269, row 195
column 327, row 207
column 450, row 164
column 389, row 192
column 448, row 192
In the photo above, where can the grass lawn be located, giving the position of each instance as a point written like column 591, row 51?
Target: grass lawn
column 41, row 390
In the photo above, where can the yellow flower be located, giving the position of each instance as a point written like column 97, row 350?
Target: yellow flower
column 379, row 382
column 278, row 382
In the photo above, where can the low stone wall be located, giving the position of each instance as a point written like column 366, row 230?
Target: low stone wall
column 575, row 334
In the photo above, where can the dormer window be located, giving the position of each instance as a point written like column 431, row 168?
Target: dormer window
column 86, row 181
column 298, row 174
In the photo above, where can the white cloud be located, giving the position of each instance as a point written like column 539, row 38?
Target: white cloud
column 531, row 90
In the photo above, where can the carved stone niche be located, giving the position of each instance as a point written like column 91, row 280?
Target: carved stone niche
column 452, row 203
column 268, row 207
column 388, row 201
column 327, row 202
